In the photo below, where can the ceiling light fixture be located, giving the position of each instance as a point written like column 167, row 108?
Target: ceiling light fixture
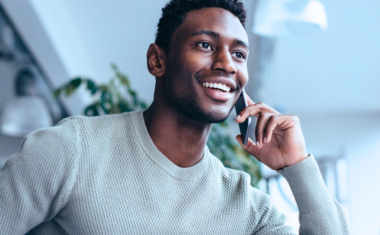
column 278, row 18
column 27, row 112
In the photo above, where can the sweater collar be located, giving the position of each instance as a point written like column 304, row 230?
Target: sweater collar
column 180, row 173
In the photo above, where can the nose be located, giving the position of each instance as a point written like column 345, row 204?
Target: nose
column 223, row 61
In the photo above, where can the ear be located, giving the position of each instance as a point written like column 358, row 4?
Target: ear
column 156, row 60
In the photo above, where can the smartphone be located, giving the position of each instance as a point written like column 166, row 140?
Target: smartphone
column 245, row 126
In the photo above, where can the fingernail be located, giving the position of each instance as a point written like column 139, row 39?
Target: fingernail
column 257, row 143
column 265, row 139
column 238, row 117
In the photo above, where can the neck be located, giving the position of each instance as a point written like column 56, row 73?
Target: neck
column 182, row 141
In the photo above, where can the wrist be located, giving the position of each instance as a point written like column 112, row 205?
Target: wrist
column 298, row 160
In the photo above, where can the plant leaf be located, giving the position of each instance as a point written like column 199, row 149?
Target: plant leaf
column 69, row 90
column 103, row 87
column 91, row 110
column 76, row 83
column 91, row 86
column 123, row 80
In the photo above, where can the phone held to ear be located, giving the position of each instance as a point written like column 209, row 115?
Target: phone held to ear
column 245, row 126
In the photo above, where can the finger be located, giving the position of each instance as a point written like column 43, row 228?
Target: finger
column 259, row 119
column 254, row 110
column 272, row 124
column 260, row 127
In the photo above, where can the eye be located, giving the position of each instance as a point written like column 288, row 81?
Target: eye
column 205, row 45
column 239, row 55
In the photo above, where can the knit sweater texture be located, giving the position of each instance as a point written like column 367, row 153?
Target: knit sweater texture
column 104, row 175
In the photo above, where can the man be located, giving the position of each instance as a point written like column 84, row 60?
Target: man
column 150, row 172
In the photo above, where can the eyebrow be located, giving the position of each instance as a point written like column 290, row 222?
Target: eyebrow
column 217, row 35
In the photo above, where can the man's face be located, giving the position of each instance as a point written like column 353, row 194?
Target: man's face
column 207, row 65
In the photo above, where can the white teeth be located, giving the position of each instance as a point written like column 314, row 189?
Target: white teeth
column 220, row 86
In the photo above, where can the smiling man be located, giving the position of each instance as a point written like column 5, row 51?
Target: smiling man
column 150, row 171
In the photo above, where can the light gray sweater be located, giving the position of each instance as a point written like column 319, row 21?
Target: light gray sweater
column 104, row 175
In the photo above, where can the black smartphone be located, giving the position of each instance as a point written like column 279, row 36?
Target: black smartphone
column 245, row 126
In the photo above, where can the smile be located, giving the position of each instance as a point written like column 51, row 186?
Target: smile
column 218, row 86
column 217, row 91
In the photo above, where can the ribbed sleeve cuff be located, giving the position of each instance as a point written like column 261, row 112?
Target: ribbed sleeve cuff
column 307, row 185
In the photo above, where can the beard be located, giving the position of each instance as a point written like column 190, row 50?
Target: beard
column 187, row 107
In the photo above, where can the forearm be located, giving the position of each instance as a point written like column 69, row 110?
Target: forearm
column 319, row 213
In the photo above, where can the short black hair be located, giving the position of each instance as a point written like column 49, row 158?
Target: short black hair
column 175, row 11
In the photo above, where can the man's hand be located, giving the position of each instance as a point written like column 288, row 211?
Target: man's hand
column 279, row 139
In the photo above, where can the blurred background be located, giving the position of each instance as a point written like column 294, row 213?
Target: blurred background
column 315, row 59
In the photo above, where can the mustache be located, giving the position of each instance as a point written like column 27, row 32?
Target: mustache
column 206, row 74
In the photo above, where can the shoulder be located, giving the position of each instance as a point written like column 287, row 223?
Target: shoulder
column 64, row 145
column 47, row 155
column 102, row 122
column 104, row 130
column 98, row 126
column 57, row 142
column 64, row 133
column 65, row 138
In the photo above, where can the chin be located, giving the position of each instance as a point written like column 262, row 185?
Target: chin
column 189, row 107
column 206, row 115
column 216, row 116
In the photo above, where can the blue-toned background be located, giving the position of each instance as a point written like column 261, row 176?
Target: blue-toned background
column 330, row 79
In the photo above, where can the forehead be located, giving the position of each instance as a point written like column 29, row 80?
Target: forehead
column 214, row 19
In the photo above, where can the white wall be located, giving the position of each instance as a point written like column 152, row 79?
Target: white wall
column 364, row 175
column 335, row 70
column 63, row 32
column 89, row 35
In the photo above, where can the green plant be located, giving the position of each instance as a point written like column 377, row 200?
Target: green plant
column 117, row 96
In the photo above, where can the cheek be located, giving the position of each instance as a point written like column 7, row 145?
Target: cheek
column 243, row 76
column 182, row 69
column 178, row 79
column 177, row 66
